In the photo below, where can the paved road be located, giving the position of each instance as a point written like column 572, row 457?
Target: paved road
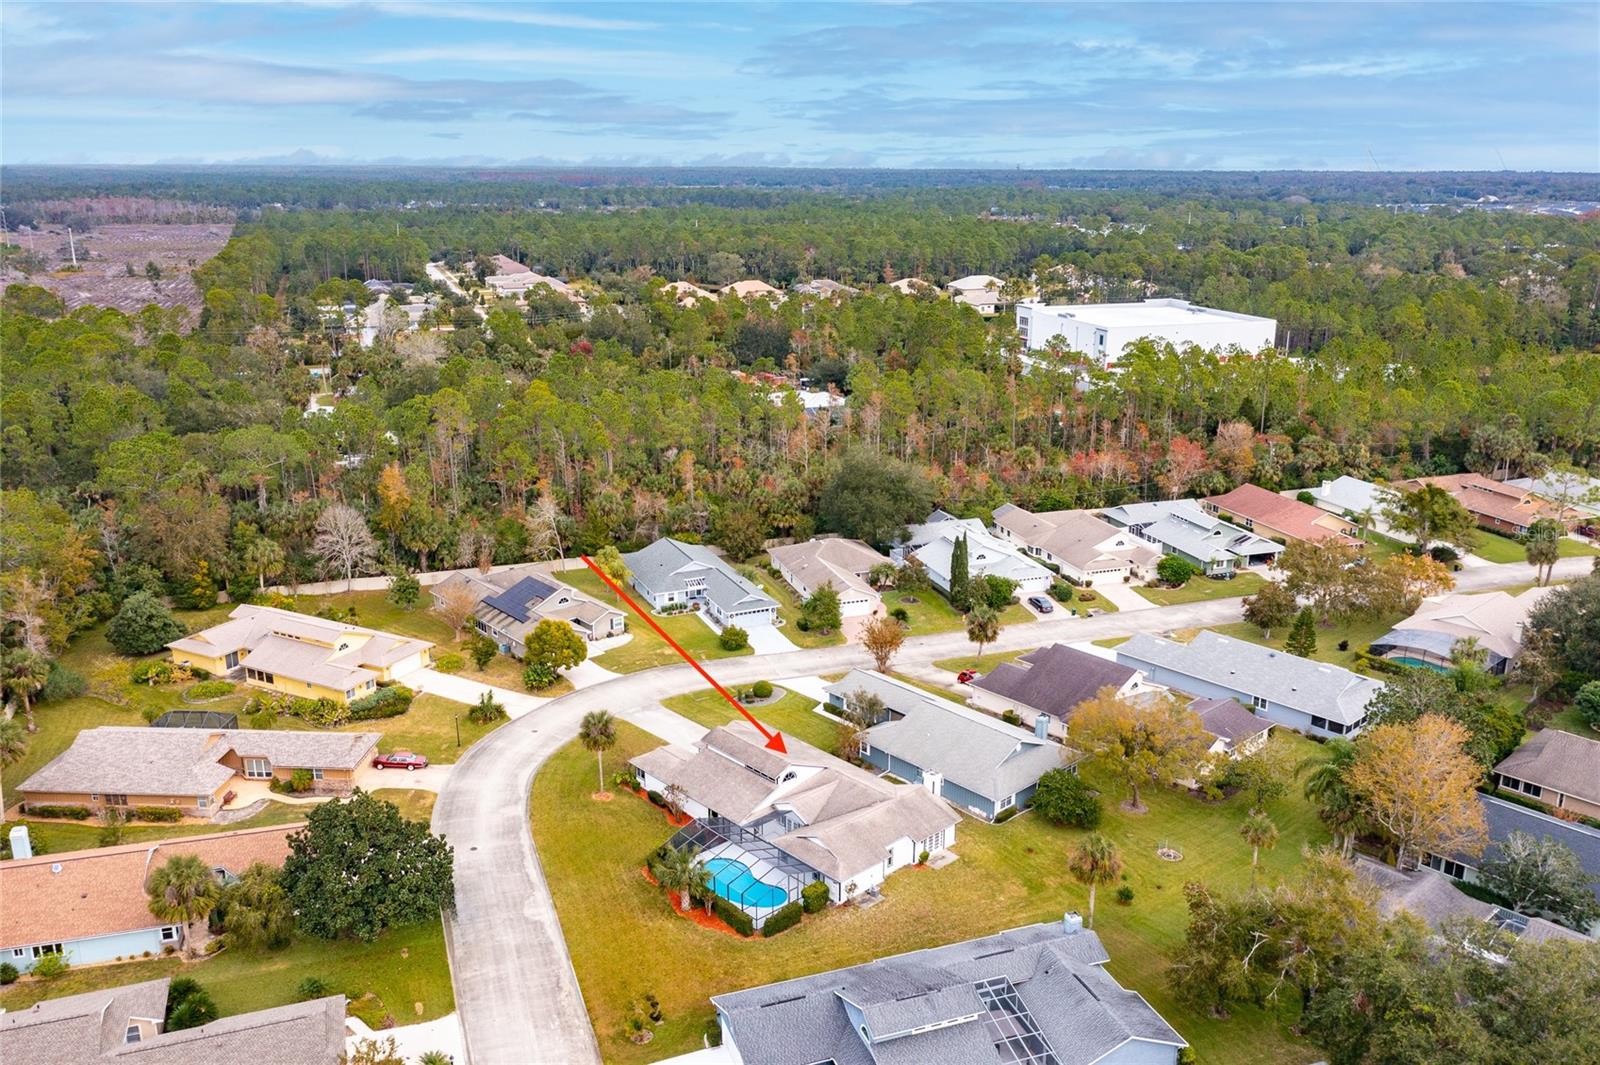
column 516, row 992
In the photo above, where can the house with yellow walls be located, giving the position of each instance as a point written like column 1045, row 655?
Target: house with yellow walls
column 301, row 655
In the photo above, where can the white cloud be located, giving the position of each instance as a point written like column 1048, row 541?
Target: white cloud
column 512, row 14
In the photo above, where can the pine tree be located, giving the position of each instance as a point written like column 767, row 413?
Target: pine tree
column 960, row 583
column 1302, row 639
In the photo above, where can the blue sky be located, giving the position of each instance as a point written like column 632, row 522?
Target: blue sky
column 1178, row 85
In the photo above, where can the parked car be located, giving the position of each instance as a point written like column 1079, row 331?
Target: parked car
column 966, row 676
column 1041, row 603
column 400, row 760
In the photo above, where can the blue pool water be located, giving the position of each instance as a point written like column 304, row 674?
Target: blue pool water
column 734, row 882
column 1409, row 661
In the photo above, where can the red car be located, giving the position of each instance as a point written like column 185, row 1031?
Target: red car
column 966, row 676
column 400, row 760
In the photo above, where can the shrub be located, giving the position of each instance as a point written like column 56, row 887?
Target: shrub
column 71, row 813
column 537, row 676
column 1011, row 717
column 160, row 814
column 1587, row 703
column 324, row 713
column 656, row 797
column 142, row 626
column 210, row 689
column 482, row 650
column 300, row 780
column 1306, row 497
column 485, row 710
column 391, row 701
column 61, row 683
column 8, row 973
column 803, row 624
column 404, row 590
column 449, row 662
column 156, row 671
column 188, row 1005
column 312, row 987
column 1175, row 571
column 1443, row 553
column 814, row 896
column 1061, row 591
column 264, row 717
column 732, row 916
column 51, row 966
column 1006, row 815
column 901, row 614
column 922, row 859
column 150, row 713
column 761, row 689
column 786, row 918
column 1062, row 797
column 1344, row 645
column 1125, row 894
column 624, row 781
column 733, row 638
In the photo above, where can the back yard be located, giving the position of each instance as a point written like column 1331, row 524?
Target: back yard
column 626, row 942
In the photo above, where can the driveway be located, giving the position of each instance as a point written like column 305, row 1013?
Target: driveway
column 516, row 992
column 462, row 690
column 1122, row 596
column 768, row 639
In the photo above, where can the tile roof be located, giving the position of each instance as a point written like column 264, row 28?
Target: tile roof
column 1493, row 499
column 1288, row 516
column 1077, row 537
column 666, row 564
column 1054, row 679
column 1559, row 761
column 58, row 897
column 968, row 748
column 1580, row 491
column 830, row 560
column 174, row 761
column 1303, row 684
column 1054, row 973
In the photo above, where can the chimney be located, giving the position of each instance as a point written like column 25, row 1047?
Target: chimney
column 1041, row 726
column 1072, row 922
column 21, row 845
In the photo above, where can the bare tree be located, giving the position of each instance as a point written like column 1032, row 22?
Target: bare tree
column 343, row 541
column 544, row 530
column 454, row 604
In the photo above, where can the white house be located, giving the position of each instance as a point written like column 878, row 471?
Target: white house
column 981, row 292
column 1081, row 545
column 832, row 560
column 986, row 554
column 1103, row 331
column 669, row 572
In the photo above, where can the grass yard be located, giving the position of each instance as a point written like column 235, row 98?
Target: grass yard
column 792, row 715
column 647, row 650
column 1007, row 875
column 931, row 612
column 374, row 611
column 982, row 665
column 405, row 969
column 1359, row 632
column 1201, row 589
column 1567, row 720
column 429, row 728
column 1497, row 548
column 414, row 803
column 789, row 608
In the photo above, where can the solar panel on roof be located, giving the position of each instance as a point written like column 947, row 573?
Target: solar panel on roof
column 516, row 601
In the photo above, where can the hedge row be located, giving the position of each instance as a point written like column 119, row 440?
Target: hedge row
column 385, row 702
column 75, row 813
column 786, row 918
column 732, row 916
column 164, row 814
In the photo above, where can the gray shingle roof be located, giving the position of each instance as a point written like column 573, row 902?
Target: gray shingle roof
column 665, row 565
column 1558, row 760
column 1078, row 1008
column 1502, row 818
column 1303, row 684
column 1073, row 536
column 1054, row 679
column 176, row 761
column 1228, row 720
column 1434, row 898
column 1182, row 525
column 972, row 749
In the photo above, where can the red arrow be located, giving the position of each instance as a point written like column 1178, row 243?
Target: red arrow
column 774, row 739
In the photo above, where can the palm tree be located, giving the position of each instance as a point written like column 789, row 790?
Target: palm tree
column 598, row 733
column 1543, row 545
column 677, row 870
column 983, row 626
column 23, row 672
column 1326, row 786
column 1258, row 831
column 13, row 745
column 184, row 890
column 1096, row 861
column 262, row 557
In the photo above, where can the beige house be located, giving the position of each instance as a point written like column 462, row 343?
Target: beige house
column 297, row 654
column 1557, row 768
column 193, row 769
column 1493, row 619
column 687, row 293
column 836, row 561
column 752, row 289
column 1082, row 546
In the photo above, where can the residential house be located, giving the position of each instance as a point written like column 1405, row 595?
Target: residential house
column 1051, row 682
column 842, row 563
column 910, row 286
column 1558, row 768
column 511, row 278
column 824, row 287
column 939, row 523
column 512, row 602
column 1431, row 897
column 687, row 293
column 193, row 769
column 981, row 292
column 752, row 289
column 1076, row 542
column 1182, row 527
column 1303, row 694
column 767, row 823
column 986, row 554
column 1363, row 502
column 1498, row 507
column 1104, row 331
column 1235, row 731
column 301, row 655
column 1038, row 995
column 1280, row 518
column 977, row 762
column 1578, row 491
column 1494, row 620
column 91, row 906
column 670, row 572
column 127, row 1024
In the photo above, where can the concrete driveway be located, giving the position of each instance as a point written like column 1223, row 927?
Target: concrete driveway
column 1122, row 596
column 462, row 690
column 768, row 639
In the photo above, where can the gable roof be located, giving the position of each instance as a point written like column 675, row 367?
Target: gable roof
column 1581, row 491
column 1346, row 493
column 986, row 554
column 665, row 566
column 1054, row 679
column 1494, row 619
column 178, row 761
column 301, row 646
column 829, row 560
column 973, row 750
column 1227, row 719
column 1183, row 525
column 54, row 898
column 1288, row 516
column 1074, row 536
column 1559, row 761
column 949, row 1004
column 1434, row 898
column 1501, row 818
column 1303, row 684
column 1501, row 501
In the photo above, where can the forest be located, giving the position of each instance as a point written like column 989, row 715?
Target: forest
column 155, row 452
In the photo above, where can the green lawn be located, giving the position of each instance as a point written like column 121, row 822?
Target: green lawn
column 647, row 650
column 791, row 715
column 429, row 728
column 789, row 609
column 1380, row 547
column 1360, row 632
column 404, row 969
column 982, row 665
column 1497, row 548
column 1199, row 589
column 931, row 612
column 1007, row 875
column 374, row 611
column 1567, row 720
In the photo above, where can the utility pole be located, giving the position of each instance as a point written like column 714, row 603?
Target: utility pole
column 73, row 245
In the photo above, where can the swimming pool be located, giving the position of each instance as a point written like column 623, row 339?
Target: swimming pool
column 733, row 881
column 1407, row 660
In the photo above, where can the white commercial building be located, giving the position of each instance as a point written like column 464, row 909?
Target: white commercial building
column 1104, row 330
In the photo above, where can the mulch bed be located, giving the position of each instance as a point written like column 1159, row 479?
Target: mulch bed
column 697, row 914
column 677, row 821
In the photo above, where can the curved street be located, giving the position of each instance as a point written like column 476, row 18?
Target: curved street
column 516, row 993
